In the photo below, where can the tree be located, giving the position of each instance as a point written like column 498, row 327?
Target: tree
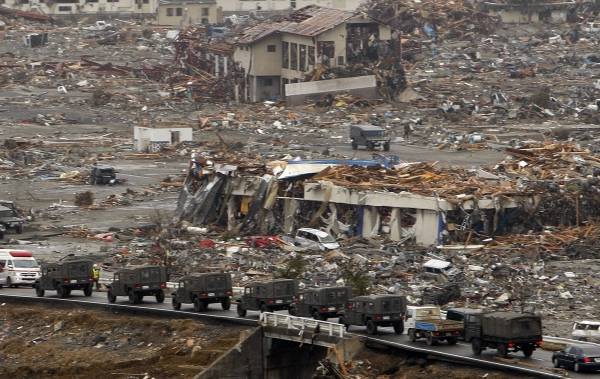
column 294, row 268
column 356, row 277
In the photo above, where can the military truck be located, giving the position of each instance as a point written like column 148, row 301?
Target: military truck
column 426, row 322
column 374, row 311
column 71, row 273
column 268, row 296
column 10, row 217
column 504, row 331
column 102, row 175
column 203, row 289
column 321, row 303
column 138, row 282
column 370, row 136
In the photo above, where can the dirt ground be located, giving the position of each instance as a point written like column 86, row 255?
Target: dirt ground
column 36, row 342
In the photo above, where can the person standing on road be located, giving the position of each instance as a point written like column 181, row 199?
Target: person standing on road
column 407, row 129
column 96, row 276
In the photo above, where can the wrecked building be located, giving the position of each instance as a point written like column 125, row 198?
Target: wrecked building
column 522, row 12
column 155, row 137
column 242, row 6
column 183, row 13
column 71, row 7
column 275, row 53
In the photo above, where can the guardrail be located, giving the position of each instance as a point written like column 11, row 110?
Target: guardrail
column 568, row 340
column 302, row 323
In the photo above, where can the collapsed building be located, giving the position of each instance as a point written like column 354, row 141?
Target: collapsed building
column 413, row 202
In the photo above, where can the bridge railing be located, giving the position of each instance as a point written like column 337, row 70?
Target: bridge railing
column 301, row 324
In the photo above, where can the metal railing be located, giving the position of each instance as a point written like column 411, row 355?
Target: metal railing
column 301, row 324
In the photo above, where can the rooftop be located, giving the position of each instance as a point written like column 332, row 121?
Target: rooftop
column 309, row 21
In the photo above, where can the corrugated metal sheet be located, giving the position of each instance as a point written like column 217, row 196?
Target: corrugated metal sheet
column 309, row 21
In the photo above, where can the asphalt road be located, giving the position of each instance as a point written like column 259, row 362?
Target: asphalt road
column 541, row 359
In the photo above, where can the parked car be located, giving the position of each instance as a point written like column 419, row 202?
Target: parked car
column 138, row 282
column 71, row 273
column 370, row 136
column 374, row 311
column 459, row 314
column 586, row 331
column 203, row 289
column 427, row 322
column 504, row 331
column 321, row 303
column 578, row 358
column 18, row 267
column 103, row 175
column 10, row 217
column 268, row 296
column 315, row 239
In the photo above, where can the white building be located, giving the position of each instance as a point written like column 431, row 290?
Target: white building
column 153, row 138
column 66, row 7
column 242, row 6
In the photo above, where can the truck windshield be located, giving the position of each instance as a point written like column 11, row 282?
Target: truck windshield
column 26, row 264
column 150, row 275
column 216, row 282
column 339, row 295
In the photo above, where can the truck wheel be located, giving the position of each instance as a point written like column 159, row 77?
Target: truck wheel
column 370, row 146
column 9, row 282
column 555, row 363
column 342, row 321
column 399, row 327
column 292, row 311
column 92, row 180
column 87, row 290
column 528, row 351
column 412, row 335
column 199, row 305
column 241, row 312
column 476, row 346
column 160, row 297
column 226, row 304
column 264, row 308
column 451, row 340
column 502, row 350
column 371, row 327
column 133, row 298
column 39, row 292
column 430, row 340
column 19, row 229
column 354, row 146
column 386, row 147
column 176, row 304
column 111, row 298
column 62, row 292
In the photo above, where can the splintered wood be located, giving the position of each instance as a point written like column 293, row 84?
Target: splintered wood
column 420, row 178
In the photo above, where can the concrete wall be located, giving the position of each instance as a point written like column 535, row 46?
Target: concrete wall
column 85, row 7
column 190, row 14
column 144, row 137
column 518, row 16
column 364, row 86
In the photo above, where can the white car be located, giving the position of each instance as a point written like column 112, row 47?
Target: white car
column 18, row 267
column 315, row 239
column 586, row 331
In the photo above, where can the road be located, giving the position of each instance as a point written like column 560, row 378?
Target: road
column 541, row 359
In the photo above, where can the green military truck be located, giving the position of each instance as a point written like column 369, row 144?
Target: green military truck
column 375, row 311
column 71, row 273
column 321, row 303
column 504, row 331
column 138, row 282
column 203, row 289
column 267, row 296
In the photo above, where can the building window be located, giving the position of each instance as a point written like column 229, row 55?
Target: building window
column 311, row 56
column 146, row 1
column 340, row 60
column 268, row 82
column 204, row 21
column 205, row 11
column 285, row 55
column 178, row 11
column 271, row 48
column 91, row 1
column 325, row 51
column 302, row 65
column 64, row 9
column 21, row 2
column 293, row 56
column 293, row 4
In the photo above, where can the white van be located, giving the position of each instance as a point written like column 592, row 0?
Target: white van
column 18, row 267
column 586, row 331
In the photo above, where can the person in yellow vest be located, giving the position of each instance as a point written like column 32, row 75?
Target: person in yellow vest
column 96, row 276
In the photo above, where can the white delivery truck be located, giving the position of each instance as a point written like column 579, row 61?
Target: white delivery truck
column 18, row 267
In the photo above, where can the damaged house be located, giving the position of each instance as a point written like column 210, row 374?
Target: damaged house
column 530, row 11
column 411, row 202
column 275, row 53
